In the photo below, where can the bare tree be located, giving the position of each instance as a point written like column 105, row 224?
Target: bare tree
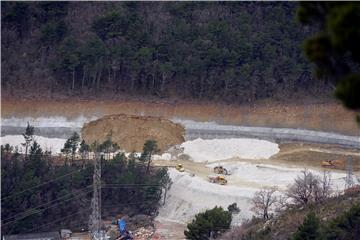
column 323, row 189
column 263, row 201
column 281, row 203
column 302, row 191
column 235, row 233
column 309, row 188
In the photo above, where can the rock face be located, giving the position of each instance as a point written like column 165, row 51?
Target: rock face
column 130, row 132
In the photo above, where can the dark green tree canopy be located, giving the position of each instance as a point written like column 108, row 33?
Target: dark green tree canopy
column 335, row 49
column 309, row 230
column 211, row 223
column 204, row 51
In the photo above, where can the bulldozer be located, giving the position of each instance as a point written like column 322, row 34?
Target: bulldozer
column 218, row 179
column 221, row 170
column 180, row 167
column 337, row 164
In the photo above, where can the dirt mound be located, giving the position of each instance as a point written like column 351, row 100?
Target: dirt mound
column 130, row 132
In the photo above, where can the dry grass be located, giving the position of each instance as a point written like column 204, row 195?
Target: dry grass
column 312, row 155
column 329, row 116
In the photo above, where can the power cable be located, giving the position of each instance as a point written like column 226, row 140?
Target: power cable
column 41, row 226
column 25, row 214
column 42, row 184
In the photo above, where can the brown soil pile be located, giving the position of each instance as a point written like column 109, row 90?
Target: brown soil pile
column 130, row 132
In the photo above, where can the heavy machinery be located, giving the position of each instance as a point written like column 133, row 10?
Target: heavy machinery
column 338, row 164
column 218, row 179
column 180, row 167
column 221, row 170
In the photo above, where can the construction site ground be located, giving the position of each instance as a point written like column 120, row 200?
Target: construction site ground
column 291, row 155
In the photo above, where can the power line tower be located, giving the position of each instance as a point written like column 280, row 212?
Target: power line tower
column 95, row 225
column 349, row 182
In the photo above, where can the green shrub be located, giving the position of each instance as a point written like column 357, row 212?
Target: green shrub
column 211, row 223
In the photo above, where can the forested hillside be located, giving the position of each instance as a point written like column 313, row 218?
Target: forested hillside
column 40, row 194
column 232, row 52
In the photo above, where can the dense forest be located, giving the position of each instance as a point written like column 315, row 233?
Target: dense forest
column 40, row 193
column 226, row 51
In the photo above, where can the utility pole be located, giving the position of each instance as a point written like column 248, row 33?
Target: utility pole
column 95, row 224
column 349, row 182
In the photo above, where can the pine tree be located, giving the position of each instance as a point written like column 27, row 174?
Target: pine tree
column 309, row 230
column 150, row 147
column 29, row 137
column 209, row 224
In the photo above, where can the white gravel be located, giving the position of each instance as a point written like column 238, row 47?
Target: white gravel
column 54, row 121
column 266, row 175
column 191, row 195
column 50, row 144
column 212, row 150
column 164, row 156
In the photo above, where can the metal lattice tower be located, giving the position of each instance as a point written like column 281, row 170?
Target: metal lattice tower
column 95, row 224
column 349, row 182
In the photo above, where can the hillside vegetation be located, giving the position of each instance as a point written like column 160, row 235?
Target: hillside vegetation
column 41, row 192
column 338, row 218
column 228, row 51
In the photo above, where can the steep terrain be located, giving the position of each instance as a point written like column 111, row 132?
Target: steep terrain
column 283, row 226
column 326, row 116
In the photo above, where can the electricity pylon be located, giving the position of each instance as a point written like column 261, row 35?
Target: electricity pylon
column 95, row 225
column 349, row 182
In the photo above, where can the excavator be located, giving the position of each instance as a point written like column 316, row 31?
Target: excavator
column 221, row 170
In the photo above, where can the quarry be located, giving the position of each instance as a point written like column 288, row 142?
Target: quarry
column 172, row 120
column 252, row 162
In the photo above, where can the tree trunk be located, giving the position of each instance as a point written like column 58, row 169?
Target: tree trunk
column 98, row 80
column 83, row 78
column 163, row 80
column 73, row 79
column 201, row 87
column 26, row 151
column 165, row 193
column 148, row 165
column 109, row 75
column 114, row 79
column 94, row 79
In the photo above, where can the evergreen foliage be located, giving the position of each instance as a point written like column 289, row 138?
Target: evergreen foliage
column 209, row 224
column 233, row 52
column 150, row 148
column 39, row 196
column 309, row 230
column 335, row 48
column 345, row 226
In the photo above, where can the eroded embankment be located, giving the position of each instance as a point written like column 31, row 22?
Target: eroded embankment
column 329, row 116
column 130, row 132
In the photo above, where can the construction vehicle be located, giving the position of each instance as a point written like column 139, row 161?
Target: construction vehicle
column 221, row 170
column 339, row 164
column 218, row 179
column 180, row 167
